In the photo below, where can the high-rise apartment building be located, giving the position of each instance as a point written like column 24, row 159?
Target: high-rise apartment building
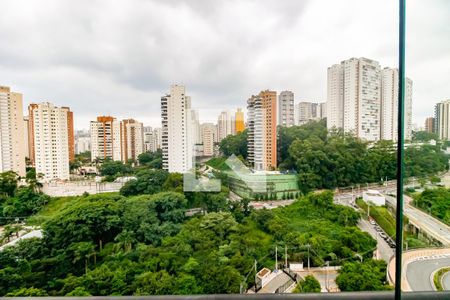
column 389, row 105
column 307, row 111
column 82, row 144
column 208, row 132
column 51, row 135
column 335, row 100
column 239, row 121
column 362, row 99
column 12, row 145
column 262, row 130
column 152, row 138
column 323, row 110
column 442, row 120
column 132, row 139
column 224, row 125
column 286, row 109
column 105, row 139
column 25, row 135
column 429, row 125
column 177, row 140
column 408, row 109
column 353, row 92
column 196, row 133
column 211, row 127
column 71, row 135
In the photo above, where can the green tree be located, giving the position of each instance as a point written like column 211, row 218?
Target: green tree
column 151, row 159
column 8, row 183
column 369, row 275
column 424, row 136
column 114, row 168
column 27, row 292
column 309, row 285
column 83, row 251
column 147, row 181
column 235, row 144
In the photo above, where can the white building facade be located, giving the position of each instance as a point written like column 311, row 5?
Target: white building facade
column 82, row 144
column 307, row 111
column 363, row 100
column 105, row 139
column 177, row 140
column 286, row 114
column 132, row 139
column 389, row 105
column 442, row 117
column 224, row 125
column 51, row 140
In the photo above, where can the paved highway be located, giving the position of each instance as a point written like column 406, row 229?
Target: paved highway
column 383, row 250
column 425, row 222
column 418, row 273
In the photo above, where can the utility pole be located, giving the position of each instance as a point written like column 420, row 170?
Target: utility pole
column 376, row 252
column 368, row 209
column 326, row 280
column 276, row 258
column 256, row 274
column 285, row 257
column 308, row 255
column 353, row 196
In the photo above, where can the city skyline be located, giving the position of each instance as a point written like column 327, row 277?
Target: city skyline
column 119, row 75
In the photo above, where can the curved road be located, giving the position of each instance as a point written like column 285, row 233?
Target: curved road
column 418, row 273
column 446, row 281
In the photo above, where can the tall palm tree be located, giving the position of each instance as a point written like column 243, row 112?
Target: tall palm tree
column 84, row 250
column 125, row 241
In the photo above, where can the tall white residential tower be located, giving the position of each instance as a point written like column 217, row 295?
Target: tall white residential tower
column 12, row 142
column 177, row 140
column 286, row 109
column 50, row 130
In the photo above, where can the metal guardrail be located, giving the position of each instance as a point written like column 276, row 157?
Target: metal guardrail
column 313, row 296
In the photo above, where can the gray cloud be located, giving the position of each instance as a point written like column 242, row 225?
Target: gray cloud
column 111, row 57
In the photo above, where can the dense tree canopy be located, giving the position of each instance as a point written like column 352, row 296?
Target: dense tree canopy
column 332, row 159
column 19, row 202
column 114, row 168
column 424, row 136
column 369, row 275
column 148, row 181
column 151, row 159
column 235, row 144
column 309, row 285
column 436, row 202
column 145, row 245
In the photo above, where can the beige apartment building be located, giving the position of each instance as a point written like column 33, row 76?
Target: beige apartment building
column 12, row 143
column 208, row 132
column 105, row 139
column 132, row 139
column 51, row 140
column 262, row 130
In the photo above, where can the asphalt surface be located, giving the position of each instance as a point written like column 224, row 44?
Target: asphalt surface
column 419, row 272
column 384, row 251
column 446, row 281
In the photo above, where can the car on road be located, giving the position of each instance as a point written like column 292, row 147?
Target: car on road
column 372, row 222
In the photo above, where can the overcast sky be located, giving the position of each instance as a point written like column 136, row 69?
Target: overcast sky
column 118, row 57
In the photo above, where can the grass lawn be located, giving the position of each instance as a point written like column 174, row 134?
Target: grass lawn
column 218, row 163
